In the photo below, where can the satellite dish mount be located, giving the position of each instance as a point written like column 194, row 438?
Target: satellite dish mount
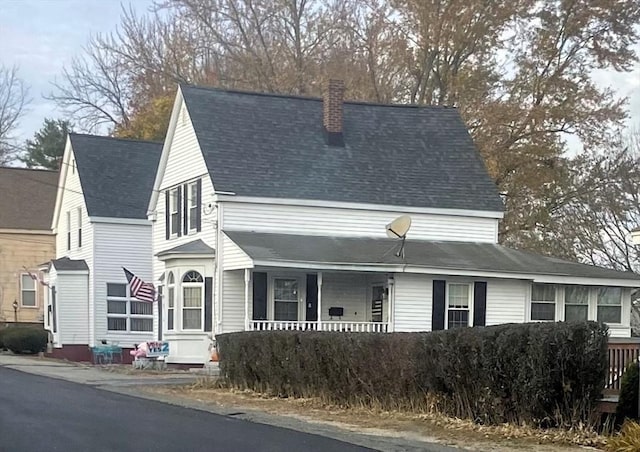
column 398, row 229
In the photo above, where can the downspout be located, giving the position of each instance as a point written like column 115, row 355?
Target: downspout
column 218, row 266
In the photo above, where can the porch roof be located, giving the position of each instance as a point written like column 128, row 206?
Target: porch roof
column 444, row 255
column 66, row 264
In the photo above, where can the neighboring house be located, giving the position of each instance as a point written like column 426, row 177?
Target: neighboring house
column 100, row 222
column 27, row 197
column 269, row 212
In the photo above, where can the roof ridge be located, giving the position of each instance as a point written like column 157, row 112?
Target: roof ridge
column 314, row 98
column 107, row 137
column 44, row 170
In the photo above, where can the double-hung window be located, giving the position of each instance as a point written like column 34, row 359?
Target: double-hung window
column 125, row 313
column 68, row 230
column 543, row 302
column 610, row 304
column 174, row 204
column 285, row 299
column 458, row 303
column 192, row 301
column 576, row 303
column 171, row 301
column 193, row 206
column 27, row 292
column 79, row 227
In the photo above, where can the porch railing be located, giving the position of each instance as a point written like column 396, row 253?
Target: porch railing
column 329, row 325
column 620, row 352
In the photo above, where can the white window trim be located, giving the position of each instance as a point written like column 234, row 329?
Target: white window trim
column 563, row 295
column 128, row 316
column 597, row 305
column 171, row 290
column 184, row 285
column 79, row 211
column 35, row 291
column 271, row 292
column 191, row 203
column 446, row 303
column 174, row 210
column 68, row 230
column 556, row 303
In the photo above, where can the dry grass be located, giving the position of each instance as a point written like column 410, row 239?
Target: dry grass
column 628, row 440
column 430, row 426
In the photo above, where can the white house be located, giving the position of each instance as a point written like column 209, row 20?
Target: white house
column 269, row 212
column 100, row 222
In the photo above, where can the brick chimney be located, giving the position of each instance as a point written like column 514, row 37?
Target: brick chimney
column 332, row 112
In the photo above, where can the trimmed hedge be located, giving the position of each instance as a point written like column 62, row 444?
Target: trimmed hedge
column 25, row 340
column 547, row 374
column 2, row 333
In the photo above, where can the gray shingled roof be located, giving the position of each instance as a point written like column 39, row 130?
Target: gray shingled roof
column 117, row 175
column 64, row 263
column 27, row 198
column 194, row 247
column 466, row 256
column 273, row 146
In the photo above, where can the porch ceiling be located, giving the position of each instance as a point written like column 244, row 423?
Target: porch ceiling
column 461, row 256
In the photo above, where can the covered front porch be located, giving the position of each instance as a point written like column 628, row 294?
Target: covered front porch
column 294, row 299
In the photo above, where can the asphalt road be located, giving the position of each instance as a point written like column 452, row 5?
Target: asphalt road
column 44, row 414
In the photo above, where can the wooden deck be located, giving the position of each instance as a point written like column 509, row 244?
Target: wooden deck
column 621, row 352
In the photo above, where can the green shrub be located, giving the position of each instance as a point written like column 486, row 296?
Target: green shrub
column 628, row 402
column 2, row 333
column 544, row 374
column 25, row 340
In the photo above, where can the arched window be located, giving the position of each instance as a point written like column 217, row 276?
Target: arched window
column 171, row 301
column 192, row 301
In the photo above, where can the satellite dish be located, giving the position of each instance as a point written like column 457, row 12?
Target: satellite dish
column 398, row 229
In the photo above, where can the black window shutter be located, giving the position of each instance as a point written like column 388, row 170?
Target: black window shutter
column 208, row 303
column 185, row 209
column 199, row 204
column 179, row 227
column 167, row 214
column 480, row 303
column 259, row 296
column 160, row 313
column 437, row 314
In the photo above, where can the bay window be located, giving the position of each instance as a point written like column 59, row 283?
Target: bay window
column 171, row 301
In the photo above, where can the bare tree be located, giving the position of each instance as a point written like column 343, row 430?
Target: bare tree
column 13, row 99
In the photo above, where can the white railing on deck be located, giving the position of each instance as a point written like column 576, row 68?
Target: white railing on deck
column 329, row 325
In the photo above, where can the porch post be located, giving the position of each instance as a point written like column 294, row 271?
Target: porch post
column 319, row 301
column 247, row 279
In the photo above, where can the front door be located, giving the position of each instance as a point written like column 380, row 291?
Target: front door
column 377, row 302
column 286, row 293
column 312, row 298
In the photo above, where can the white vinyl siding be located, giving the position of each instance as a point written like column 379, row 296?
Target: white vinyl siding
column 413, row 302
column 72, row 308
column 234, row 257
column 349, row 291
column 506, row 301
column 233, row 301
column 117, row 246
column 351, row 222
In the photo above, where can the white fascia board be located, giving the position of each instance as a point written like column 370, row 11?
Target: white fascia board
column 552, row 279
column 62, row 177
column 164, row 157
column 111, row 220
column 72, row 272
column 177, row 256
column 224, row 197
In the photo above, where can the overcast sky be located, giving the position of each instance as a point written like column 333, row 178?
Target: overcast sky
column 41, row 36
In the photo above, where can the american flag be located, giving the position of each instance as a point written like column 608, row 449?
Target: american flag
column 141, row 290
